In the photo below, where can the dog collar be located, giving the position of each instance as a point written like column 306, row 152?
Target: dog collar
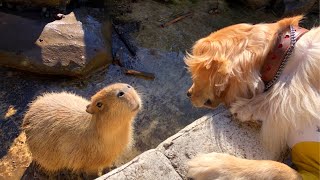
column 279, row 55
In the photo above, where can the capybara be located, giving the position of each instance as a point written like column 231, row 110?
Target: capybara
column 66, row 131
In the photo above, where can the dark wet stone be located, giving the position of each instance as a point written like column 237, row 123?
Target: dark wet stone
column 74, row 46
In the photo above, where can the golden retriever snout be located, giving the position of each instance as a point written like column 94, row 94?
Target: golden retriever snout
column 189, row 94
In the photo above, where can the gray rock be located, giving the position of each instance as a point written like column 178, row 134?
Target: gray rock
column 215, row 132
column 150, row 165
column 74, row 46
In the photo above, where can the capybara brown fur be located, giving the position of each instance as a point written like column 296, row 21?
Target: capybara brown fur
column 66, row 131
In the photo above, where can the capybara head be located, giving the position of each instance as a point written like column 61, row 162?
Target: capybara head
column 226, row 64
column 118, row 98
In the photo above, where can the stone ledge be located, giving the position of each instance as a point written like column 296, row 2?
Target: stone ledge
column 151, row 164
column 215, row 131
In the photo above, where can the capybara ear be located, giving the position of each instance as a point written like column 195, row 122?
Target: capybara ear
column 89, row 109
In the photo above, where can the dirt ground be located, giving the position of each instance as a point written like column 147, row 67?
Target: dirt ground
column 206, row 17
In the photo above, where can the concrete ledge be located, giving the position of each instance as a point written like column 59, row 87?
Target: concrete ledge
column 214, row 132
column 151, row 164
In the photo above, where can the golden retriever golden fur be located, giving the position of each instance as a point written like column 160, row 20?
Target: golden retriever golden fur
column 225, row 67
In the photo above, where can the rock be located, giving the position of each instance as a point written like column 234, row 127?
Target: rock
column 151, row 165
column 293, row 7
column 20, row 154
column 74, row 46
column 214, row 132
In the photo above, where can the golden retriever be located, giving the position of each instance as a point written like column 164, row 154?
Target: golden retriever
column 231, row 66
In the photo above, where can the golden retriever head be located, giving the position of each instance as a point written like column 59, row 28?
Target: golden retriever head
column 226, row 64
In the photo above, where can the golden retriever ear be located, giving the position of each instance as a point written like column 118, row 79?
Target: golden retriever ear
column 201, row 47
column 284, row 23
column 204, row 50
column 207, row 65
column 221, row 75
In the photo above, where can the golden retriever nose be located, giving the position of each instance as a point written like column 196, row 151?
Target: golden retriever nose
column 189, row 94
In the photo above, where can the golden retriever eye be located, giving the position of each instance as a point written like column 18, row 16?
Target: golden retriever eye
column 99, row 104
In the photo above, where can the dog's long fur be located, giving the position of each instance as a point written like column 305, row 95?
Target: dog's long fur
column 225, row 66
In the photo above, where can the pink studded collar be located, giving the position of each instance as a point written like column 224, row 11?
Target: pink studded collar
column 278, row 56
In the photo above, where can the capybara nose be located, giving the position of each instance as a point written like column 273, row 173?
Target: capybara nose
column 189, row 94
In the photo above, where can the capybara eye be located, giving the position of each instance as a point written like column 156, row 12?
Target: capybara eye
column 120, row 94
column 99, row 104
column 128, row 86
